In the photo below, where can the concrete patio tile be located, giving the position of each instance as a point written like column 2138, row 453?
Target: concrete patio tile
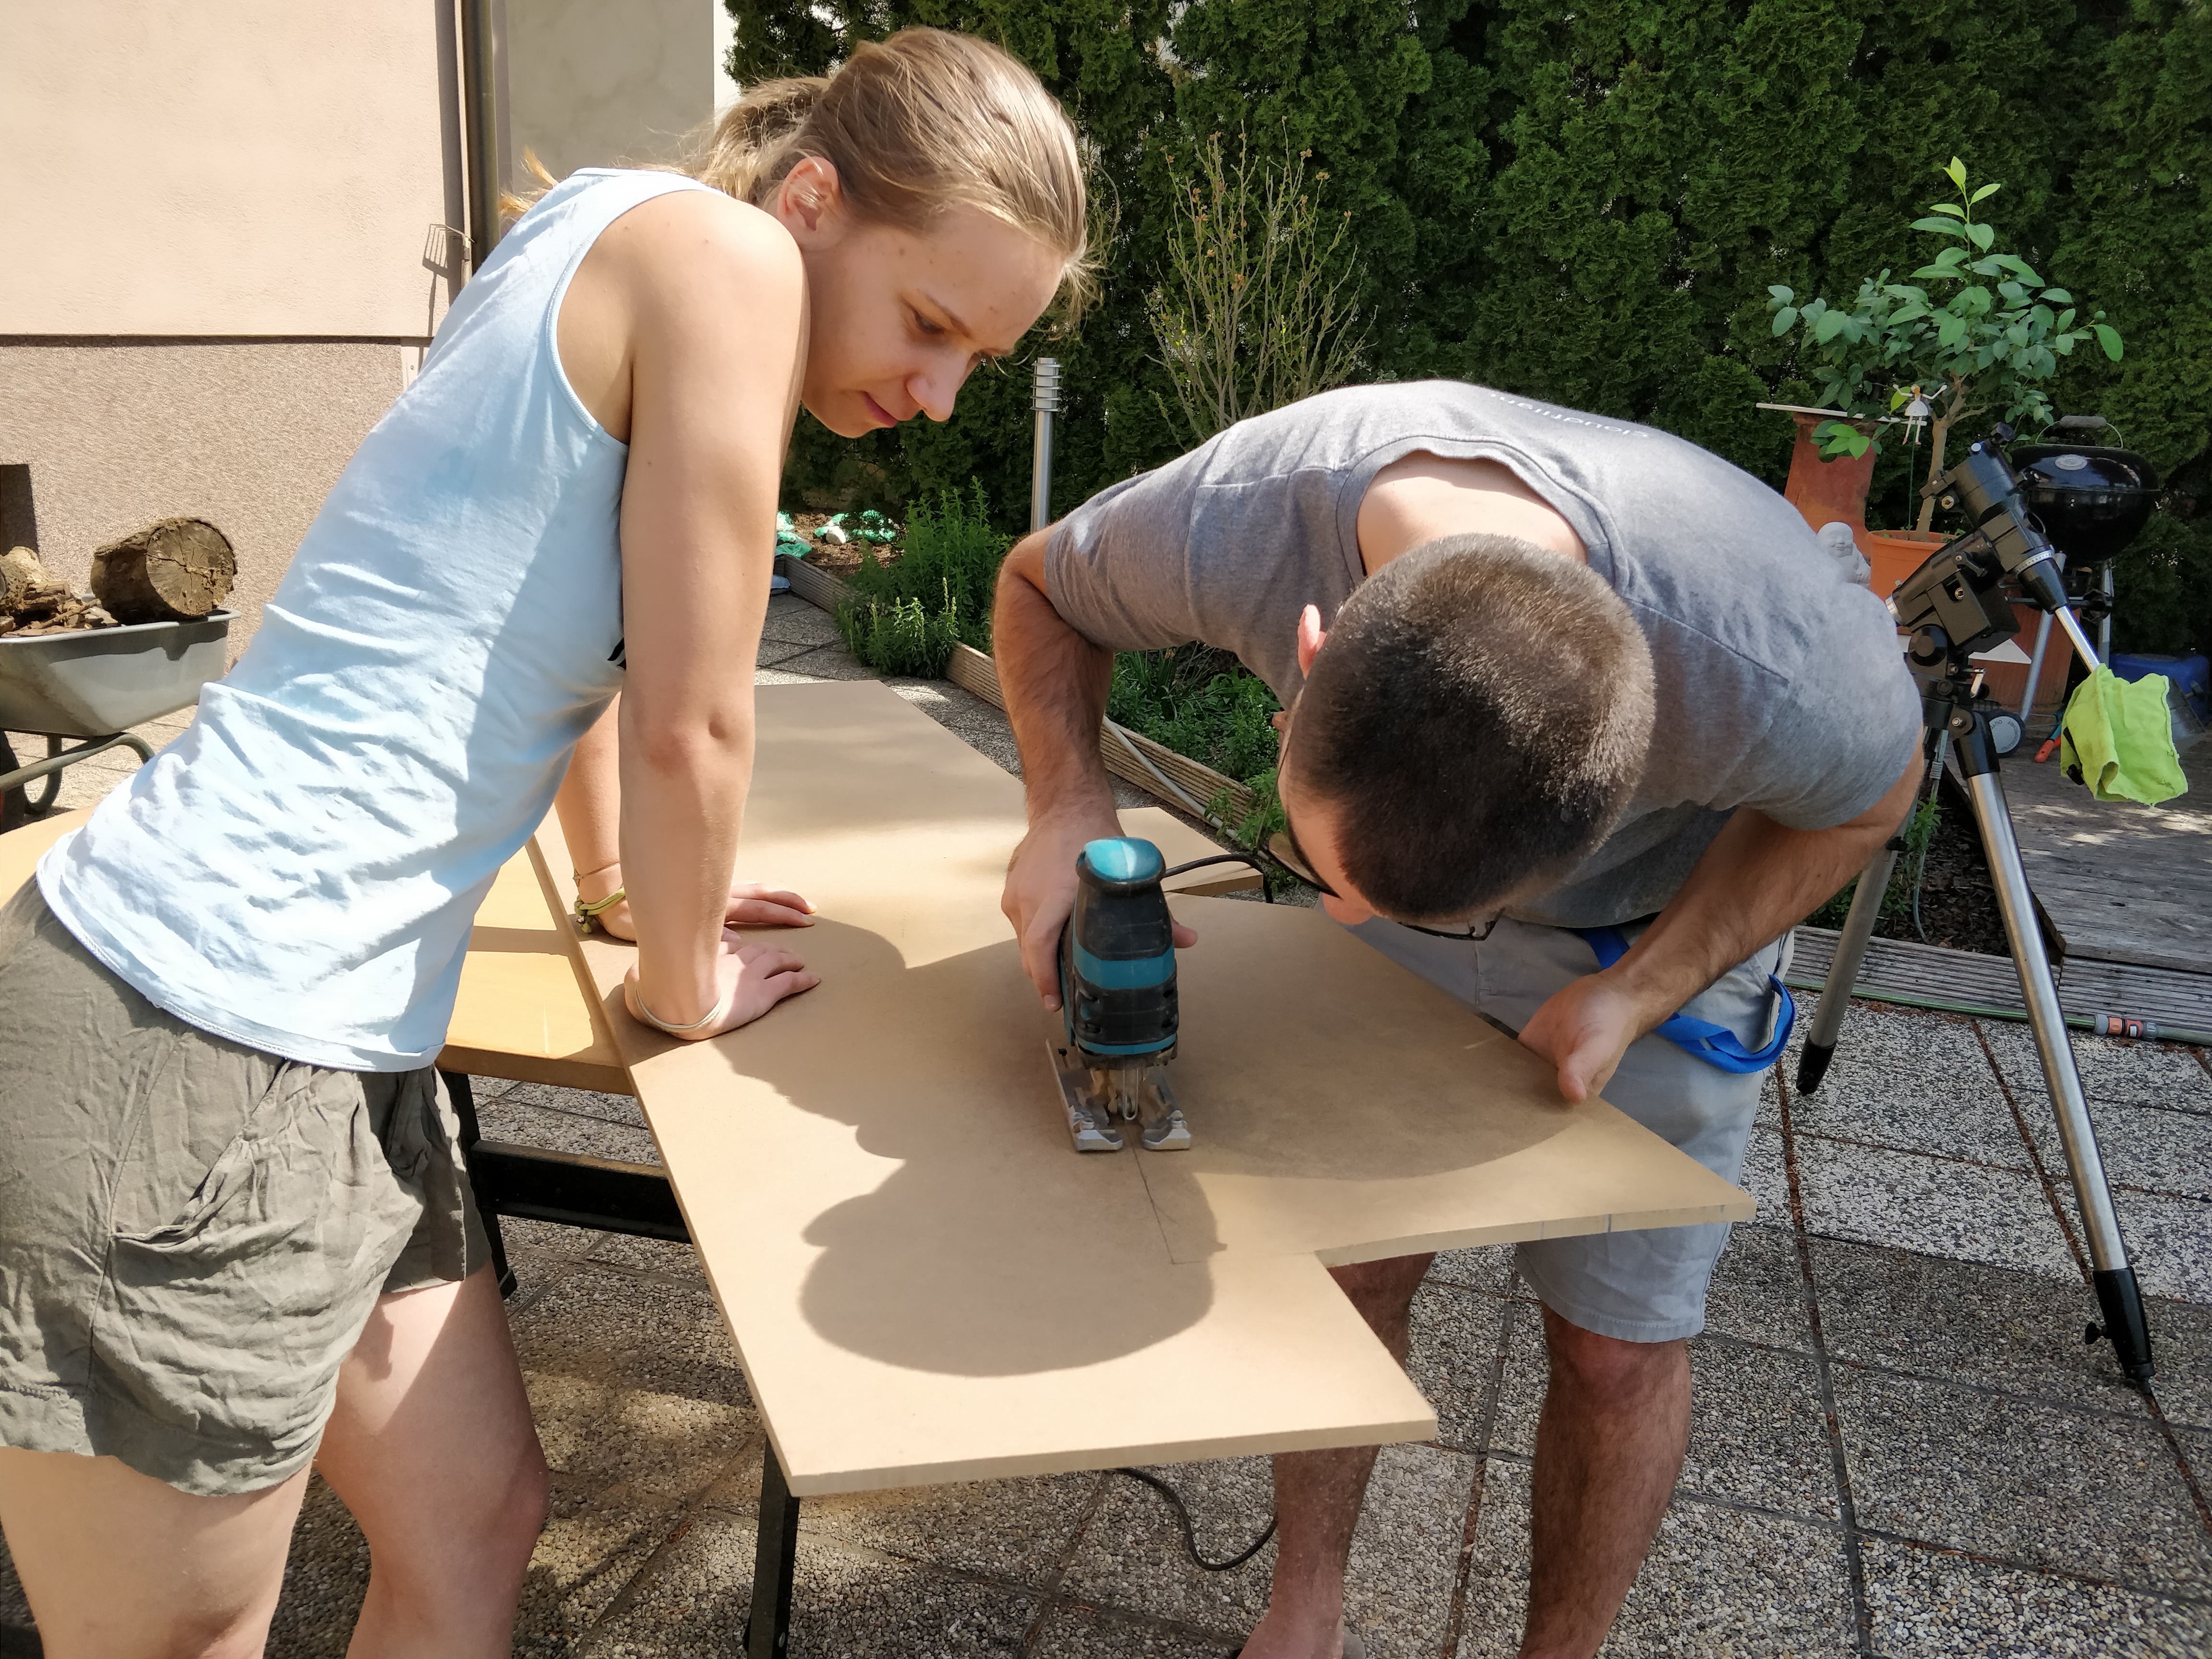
column 1926, row 1602
column 2047, row 1487
column 1015, row 1529
column 792, row 620
column 628, row 1331
column 1454, row 1348
column 1917, row 1107
column 533, row 1241
column 559, row 1131
column 1486, row 1268
column 1405, row 1556
column 1758, row 1290
column 1878, row 1034
column 2161, row 1148
column 325, row 1575
column 1520, row 1391
column 1920, row 1203
column 2169, row 1240
column 1965, row 1323
column 2112, row 1069
column 770, row 651
column 1081, row 1633
column 847, row 1604
column 826, row 662
column 1767, row 1177
column 2181, row 1343
column 1719, row 1584
column 1132, row 1555
column 1758, row 1431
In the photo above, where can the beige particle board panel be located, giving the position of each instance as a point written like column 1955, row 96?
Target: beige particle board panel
column 22, row 849
column 927, row 1284
column 522, row 1012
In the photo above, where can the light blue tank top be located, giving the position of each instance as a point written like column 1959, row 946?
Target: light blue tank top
column 299, row 871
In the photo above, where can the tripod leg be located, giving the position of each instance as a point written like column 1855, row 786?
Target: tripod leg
column 1844, row 971
column 2117, row 1294
column 2034, row 669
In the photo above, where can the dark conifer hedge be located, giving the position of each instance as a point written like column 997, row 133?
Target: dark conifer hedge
column 1586, row 203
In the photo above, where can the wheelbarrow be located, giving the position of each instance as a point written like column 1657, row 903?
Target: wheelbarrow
column 93, row 686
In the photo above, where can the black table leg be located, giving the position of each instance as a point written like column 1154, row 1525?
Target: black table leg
column 463, row 1095
column 768, row 1634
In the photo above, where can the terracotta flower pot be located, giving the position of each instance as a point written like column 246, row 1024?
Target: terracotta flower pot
column 1827, row 492
column 1895, row 555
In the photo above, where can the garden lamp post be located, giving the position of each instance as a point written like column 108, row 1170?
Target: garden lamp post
column 1044, row 398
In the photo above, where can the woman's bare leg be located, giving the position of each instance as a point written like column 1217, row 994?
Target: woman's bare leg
column 433, row 1449
column 116, row 1563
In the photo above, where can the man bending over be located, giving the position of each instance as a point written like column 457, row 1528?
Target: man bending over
column 1581, row 721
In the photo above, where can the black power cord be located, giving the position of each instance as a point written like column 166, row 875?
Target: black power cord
column 1182, row 1515
column 1254, row 861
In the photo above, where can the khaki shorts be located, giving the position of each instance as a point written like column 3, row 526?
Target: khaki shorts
column 1648, row 1286
column 194, row 1234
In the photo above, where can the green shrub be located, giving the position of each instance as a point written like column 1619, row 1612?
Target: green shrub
column 900, row 636
column 952, row 559
column 1903, row 878
column 1199, row 703
column 1588, row 204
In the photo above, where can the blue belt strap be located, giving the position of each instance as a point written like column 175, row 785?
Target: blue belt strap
column 1714, row 1044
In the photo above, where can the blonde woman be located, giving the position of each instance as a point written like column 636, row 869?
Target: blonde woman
column 235, row 1234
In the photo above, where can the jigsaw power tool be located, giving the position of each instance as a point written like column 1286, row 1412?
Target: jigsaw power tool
column 1118, row 1007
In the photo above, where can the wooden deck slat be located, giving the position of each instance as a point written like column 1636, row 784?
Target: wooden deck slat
column 2121, row 883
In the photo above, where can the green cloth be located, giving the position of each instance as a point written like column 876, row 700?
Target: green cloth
column 2119, row 739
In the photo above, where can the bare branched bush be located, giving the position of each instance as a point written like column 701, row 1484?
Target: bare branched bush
column 1258, row 305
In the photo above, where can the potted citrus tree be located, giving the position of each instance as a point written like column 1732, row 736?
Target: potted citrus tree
column 1974, row 335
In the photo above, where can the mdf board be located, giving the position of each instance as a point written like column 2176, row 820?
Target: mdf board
column 522, row 1012
column 22, row 849
column 926, row 1282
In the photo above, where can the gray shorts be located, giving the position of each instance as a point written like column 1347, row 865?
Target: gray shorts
column 194, row 1234
column 1646, row 1286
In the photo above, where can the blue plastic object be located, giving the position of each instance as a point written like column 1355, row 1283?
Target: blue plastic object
column 1714, row 1044
column 1124, row 858
column 2191, row 676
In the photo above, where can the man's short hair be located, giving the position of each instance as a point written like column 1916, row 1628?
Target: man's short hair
column 1478, row 718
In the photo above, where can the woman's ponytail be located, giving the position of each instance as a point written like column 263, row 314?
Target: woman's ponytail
column 745, row 150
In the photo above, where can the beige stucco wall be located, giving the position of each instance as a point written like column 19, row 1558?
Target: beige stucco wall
column 248, row 436
column 245, row 167
column 594, row 82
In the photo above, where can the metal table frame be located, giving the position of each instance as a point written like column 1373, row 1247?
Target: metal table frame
column 607, row 1195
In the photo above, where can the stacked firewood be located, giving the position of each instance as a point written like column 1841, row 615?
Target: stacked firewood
column 33, row 600
column 177, row 571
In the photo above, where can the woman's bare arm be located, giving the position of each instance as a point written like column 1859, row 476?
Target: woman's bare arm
column 686, row 322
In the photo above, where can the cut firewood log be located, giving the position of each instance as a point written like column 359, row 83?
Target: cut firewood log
column 177, row 571
column 20, row 573
column 33, row 600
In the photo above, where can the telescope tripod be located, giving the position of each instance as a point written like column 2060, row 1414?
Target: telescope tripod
column 1951, row 721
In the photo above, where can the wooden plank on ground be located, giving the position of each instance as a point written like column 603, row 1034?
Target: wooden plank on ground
column 927, row 1284
column 2120, row 881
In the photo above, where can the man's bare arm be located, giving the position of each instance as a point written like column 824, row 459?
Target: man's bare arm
column 1757, row 879
column 1055, row 684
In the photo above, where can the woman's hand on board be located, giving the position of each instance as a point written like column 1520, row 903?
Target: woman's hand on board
column 751, row 904
column 756, row 904
column 748, row 980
